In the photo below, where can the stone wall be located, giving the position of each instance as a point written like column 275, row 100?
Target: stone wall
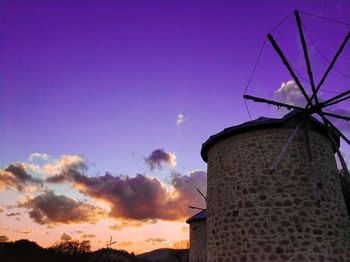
column 256, row 216
column 198, row 241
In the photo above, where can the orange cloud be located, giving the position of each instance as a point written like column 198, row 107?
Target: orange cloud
column 156, row 241
column 87, row 236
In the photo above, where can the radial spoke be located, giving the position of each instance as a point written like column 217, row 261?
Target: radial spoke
column 286, row 63
column 306, row 55
column 335, row 99
column 280, row 156
column 337, row 116
column 270, row 102
column 330, row 66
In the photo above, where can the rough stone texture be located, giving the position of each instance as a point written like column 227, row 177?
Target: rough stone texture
column 292, row 215
column 198, row 241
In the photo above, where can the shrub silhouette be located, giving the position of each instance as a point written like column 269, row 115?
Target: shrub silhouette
column 71, row 247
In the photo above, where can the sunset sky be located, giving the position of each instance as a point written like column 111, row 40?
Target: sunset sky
column 104, row 106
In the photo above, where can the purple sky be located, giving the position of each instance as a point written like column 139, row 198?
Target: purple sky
column 117, row 81
column 107, row 79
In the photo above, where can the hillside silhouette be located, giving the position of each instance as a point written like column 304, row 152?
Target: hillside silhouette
column 68, row 251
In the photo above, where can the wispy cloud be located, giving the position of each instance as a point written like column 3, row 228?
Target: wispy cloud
column 87, row 236
column 180, row 119
column 42, row 156
column 156, row 241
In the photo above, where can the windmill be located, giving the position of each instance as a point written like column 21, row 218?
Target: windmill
column 110, row 243
column 314, row 105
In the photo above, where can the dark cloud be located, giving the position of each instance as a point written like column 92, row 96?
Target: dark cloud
column 159, row 157
column 65, row 237
column 49, row 208
column 4, row 238
column 141, row 197
column 15, row 177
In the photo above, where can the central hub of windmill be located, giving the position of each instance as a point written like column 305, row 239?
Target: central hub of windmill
column 295, row 214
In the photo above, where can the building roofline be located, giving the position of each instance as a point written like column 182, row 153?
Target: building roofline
column 201, row 215
column 262, row 123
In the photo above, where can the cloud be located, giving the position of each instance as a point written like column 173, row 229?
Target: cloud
column 42, row 156
column 49, row 208
column 159, row 157
column 127, row 223
column 156, row 241
column 87, row 236
column 65, row 237
column 24, row 231
column 64, row 163
column 180, row 119
column 12, row 214
column 15, row 176
column 4, row 238
column 124, row 244
column 140, row 197
column 290, row 93
column 1, row 210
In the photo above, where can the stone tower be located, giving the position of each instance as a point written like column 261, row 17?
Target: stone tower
column 293, row 214
column 198, row 237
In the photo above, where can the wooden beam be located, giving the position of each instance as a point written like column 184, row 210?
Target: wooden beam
column 196, row 208
column 286, row 63
column 205, row 198
column 339, row 100
column 334, row 99
column 284, row 150
column 328, row 124
column 306, row 55
column 330, row 66
column 337, row 131
column 270, row 102
column 337, row 116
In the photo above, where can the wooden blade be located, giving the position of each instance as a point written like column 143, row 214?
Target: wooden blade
column 344, row 166
column 337, row 116
column 311, row 162
column 196, row 208
column 205, row 198
column 286, row 63
column 331, row 65
column 306, row 55
column 328, row 124
column 280, row 156
column 339, row 100
column 336, row 130
column 270, row 102
column 325, row 103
